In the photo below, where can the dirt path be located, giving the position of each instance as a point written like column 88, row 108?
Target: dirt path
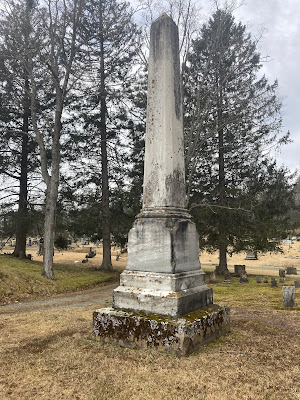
column 84, row 298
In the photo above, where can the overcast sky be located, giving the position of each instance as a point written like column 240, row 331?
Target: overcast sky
column 281, row 22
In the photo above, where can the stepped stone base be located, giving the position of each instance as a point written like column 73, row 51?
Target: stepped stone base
column 164, row 294
column 179, row 336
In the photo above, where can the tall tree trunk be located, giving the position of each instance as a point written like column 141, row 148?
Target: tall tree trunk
column 222, row 267
column 22, row 217
column 106, row 263
column 52, row 192
column 49, row 232
column 50, row 212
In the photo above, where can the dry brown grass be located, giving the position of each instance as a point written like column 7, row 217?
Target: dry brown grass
column 50, row 355
column 47, row 355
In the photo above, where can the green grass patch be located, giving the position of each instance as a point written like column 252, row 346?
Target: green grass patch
column 22, row 279
column 252, row 294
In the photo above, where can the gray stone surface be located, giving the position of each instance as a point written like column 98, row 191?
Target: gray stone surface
column 178, row 336
column 163, row 273
column 291, row 271
column 162, row 301
column 266, row 279
column 238, row 270
column 258, row 279
column 273, row 282
column 165, row 244
column 165, row 294
column 281, row 273
column 297, row 284
column 251, row 255
column 244, row 278
column 164, row 176
column 288, row 293
column 212, row 277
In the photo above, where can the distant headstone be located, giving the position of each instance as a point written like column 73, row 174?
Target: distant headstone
column 281, row 280
column 251, row 255
column 258, row 279
column 266, row 279
column 281, row 273
column 273, row 282
column 227, row 277
column 212, row 277
column 238, row 270
column 91, row 253
column 244, row 278
column 297, row 284
column 291, row 271
column 288, row 294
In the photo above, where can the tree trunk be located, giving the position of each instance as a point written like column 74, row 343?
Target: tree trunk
column 50, row 211
column 52, row 193
column 49, row 231
column 22, row 216
column 21, row 228
column 222, row 267
column 106, row 262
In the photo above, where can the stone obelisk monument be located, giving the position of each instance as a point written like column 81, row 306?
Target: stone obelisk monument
column 163, row 275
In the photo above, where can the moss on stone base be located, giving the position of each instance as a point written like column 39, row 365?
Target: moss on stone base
column 179, row 336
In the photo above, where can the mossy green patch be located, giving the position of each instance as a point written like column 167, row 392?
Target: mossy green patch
column 21, row 279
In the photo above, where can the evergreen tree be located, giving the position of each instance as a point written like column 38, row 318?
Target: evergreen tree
column 17, row 148
column 231, row 116
column 112, row 44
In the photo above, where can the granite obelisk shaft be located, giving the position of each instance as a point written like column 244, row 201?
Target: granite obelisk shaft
column 164, row 180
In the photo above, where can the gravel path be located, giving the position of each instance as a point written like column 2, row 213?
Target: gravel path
column 84, row 298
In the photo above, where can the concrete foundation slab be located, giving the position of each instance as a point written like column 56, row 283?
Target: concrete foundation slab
column 179, row 336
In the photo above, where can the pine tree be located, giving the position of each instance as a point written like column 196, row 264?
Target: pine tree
column 231, row 116
column 16, row 144
column 112, row 45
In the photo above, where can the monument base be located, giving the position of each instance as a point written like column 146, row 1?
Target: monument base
column 179, row 336
column 164, row 294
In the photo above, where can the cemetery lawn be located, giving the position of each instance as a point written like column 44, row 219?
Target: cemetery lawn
column 48, row 355
column 22, row 280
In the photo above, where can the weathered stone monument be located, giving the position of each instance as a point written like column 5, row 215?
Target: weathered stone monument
column 213, row 277
column 291, row 271
column 244, row 278
column 238, row 270
column 251, row 255
column 288, row 294
column 163, row 280
column 273, row 282
column 281, row 273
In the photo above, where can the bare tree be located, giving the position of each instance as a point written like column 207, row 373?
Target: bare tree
column 53, row 53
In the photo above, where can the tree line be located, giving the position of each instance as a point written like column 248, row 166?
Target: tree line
column 73, row 88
